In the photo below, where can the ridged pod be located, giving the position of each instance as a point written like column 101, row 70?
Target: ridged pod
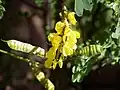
column 24, row 47
column 91, row 50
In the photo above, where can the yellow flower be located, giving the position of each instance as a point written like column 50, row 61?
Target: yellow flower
column 50, row 55
column 60, row 62
column 72, row 37
column 64, row 41
column 54, row 64
column 55, row 39
column 67, row 50
column 64, row 38
column 70, row 44
column 71, row 18
column 51, row 36
column 77, row 34
column 59, row 27
column 67, row 30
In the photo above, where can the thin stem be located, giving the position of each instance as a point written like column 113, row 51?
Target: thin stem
column 13, row 55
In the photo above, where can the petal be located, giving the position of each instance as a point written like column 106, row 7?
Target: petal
column 71, row 18
column 54, row 64
column 77, row 34
column 67, row 51
column 59, row 27
column 60, row 62
column 56, row 41
column 51, row 36
column 67, row 30
column 50, row 55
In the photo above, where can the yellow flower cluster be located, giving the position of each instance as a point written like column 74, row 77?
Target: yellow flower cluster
column 63, row 42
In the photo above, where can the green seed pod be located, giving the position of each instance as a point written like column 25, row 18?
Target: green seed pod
column 91, row 50
column 25, row 47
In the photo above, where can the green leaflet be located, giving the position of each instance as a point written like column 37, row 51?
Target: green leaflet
column 80, row 5
column 117, row 33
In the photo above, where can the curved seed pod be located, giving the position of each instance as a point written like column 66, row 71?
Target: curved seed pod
column 19, row 46
column 25, row 47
